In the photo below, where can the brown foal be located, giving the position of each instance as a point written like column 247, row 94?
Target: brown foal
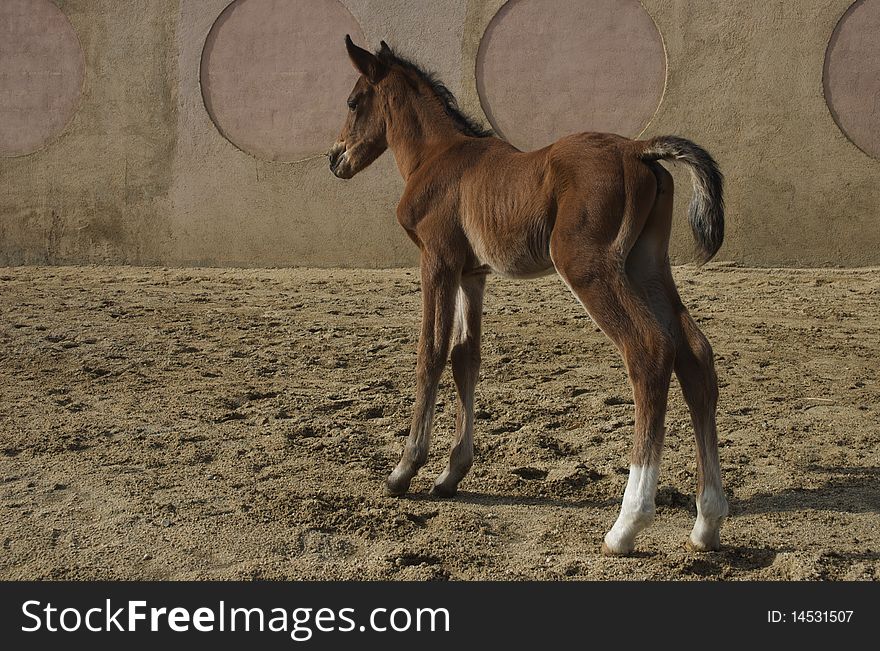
column 594, row 207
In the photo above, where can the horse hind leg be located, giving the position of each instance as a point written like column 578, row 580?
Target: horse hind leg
column 648, row 266
column 648, row 351
column 695, row 370
column 694, row 367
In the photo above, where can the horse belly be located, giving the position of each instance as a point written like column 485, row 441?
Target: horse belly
column 515, row 257
column 526, row 273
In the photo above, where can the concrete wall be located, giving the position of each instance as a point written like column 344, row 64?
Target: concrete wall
column 142, row 172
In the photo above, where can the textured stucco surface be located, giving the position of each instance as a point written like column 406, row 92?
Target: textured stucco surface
column 100, row 192
column 274, row 78
column 745, row 80
column 852, row 75
column 142, row 175
column 547, row 68
column 41, row 74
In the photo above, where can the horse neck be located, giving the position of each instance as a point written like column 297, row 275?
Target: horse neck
column 415, row 129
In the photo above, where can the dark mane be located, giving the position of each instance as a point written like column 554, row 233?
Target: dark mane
column 466, row 124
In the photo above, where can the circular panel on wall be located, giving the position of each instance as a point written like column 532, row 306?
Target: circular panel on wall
column 546, row 69
column 275, row 75
column 41, row 74
column 852, row 75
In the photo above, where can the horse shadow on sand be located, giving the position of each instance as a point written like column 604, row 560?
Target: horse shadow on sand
column 849, row 489
column 845, row 490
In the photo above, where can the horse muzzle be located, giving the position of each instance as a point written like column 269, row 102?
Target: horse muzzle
column 338, row 157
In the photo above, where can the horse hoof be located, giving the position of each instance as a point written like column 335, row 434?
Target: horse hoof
column 396, row 487
column 607, row 551
column 700, row 548
column 444, row 491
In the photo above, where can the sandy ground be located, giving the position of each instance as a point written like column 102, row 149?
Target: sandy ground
column 202, row 423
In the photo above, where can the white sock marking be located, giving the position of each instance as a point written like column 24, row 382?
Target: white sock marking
column 637, row 510
column 711, row 512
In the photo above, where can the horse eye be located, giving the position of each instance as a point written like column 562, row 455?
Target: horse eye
column 352, row 104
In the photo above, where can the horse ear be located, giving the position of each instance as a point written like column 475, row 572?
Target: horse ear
column 385, row 55
column 365, row 62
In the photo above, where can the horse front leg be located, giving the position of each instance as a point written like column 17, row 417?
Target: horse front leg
column 465, row 369
column 439, row 284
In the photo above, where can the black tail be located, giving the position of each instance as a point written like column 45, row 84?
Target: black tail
column 706, row 213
